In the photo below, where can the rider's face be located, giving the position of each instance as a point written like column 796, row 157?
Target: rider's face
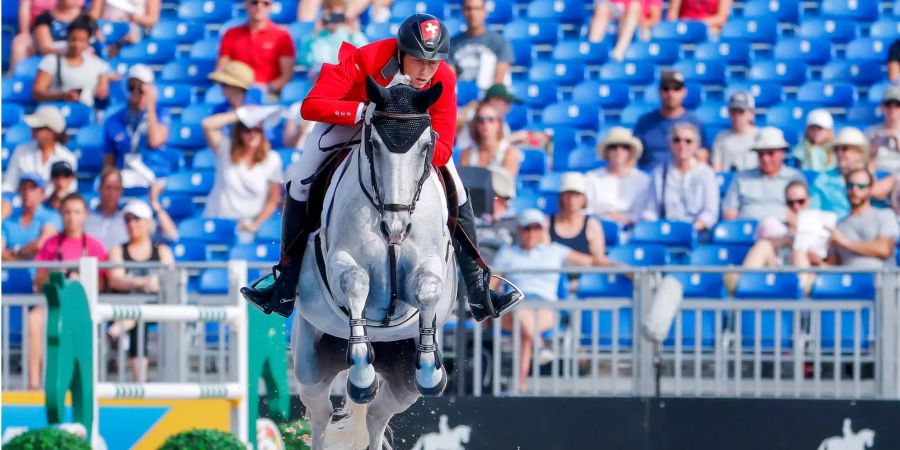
column 420, row 71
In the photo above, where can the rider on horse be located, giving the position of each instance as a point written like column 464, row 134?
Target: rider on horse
column 339, row 98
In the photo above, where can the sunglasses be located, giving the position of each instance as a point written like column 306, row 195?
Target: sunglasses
column 796, row 201
column 679, row 140
column 767, row 152
column 891, row 104
column 483, row 119
column 261, row 2
column 129, row 218
column 671, row 88
column 244, row 129
column 135, row 87
column 860, row 186
column 531, row 227
column 736, row 111
column 618, row 147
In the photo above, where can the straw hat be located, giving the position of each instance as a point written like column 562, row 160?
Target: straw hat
column 621, row 136
column 234, row 73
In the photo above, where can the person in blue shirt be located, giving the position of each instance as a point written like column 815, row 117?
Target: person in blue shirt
column 653, row 128
column 136, row 135
column 25, row 234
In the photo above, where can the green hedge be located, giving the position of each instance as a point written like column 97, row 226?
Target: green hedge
column 47, row 439
column 202, row 440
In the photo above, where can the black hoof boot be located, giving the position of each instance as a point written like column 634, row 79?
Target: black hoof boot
column 362, row 396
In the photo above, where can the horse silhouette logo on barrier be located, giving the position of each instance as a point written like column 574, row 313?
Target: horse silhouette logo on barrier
column 861, row 440
column 446, row 438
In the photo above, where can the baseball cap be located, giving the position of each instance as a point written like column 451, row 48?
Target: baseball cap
column 573, row 182
column 820, row 118
column 500, row 91
column 531, row 216
column 139, row 209
column 61, row 169
column 503, row 183
column 891, row 94
column 671, row 76
column 47, row 117
column 141, row 73
column 34, row 178
column 741, row 100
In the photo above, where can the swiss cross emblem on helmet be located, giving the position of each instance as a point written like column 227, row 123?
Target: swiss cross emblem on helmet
column 431, row 32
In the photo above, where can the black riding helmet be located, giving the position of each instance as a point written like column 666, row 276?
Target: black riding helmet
column 423, row 36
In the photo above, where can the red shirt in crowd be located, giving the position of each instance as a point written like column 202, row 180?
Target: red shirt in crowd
column 260, row 49
column 341, row 88
column 698, row 9
column 72, row 249
column 646, row 5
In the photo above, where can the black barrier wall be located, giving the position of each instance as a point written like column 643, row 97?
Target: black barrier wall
column 489, row 423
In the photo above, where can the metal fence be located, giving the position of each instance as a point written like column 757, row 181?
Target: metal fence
column 730, row 347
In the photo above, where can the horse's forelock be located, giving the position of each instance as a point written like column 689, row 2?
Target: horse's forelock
column 401, row 100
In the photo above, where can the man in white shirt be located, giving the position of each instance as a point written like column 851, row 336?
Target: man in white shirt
column 107, row 223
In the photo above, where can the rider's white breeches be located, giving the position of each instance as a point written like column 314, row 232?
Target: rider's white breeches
column 312, row 157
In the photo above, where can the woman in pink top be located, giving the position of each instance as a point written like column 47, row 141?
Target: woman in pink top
column 714, row 13
column 631, row 14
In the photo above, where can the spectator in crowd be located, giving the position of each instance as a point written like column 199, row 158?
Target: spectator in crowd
column 262, row 45
column 731, row 150
column 490, row 149
column 868, row 236
column 534, row 250
column 248, row 173
column 714, row 13
column 380, row 11
column 25, row 234
column 139, row 248
column 501, row 99
column 499, row 228
column 815, row 152
column 893, row 62
column 42, row 28
column 571, row 226
column 653, row 127
column 107, row 222
column 141, row 14
column 631, row 14
column 236, row 80
column 759, row 193
column 167, row 231
column 480, row 54
column 885, row 138
column 684, row 189
column 333, row 28
column 136, row 135
column 69, row 245
column 62, row 182
column 76, row 75
column 48, row 131
column 614, row 192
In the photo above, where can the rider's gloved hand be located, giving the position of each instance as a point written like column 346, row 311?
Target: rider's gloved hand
column 365, row 111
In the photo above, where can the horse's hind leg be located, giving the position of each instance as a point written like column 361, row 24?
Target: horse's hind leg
column 353, row 282
column 398, row 388
column 315, row 367
column 431, row 378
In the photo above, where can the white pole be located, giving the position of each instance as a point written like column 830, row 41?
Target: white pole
column 169, row 313
column 90, row 280
column 175, row 391
column 237, row 277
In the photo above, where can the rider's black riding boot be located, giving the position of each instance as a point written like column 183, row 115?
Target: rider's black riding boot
column 277, row 295
column 483, row 302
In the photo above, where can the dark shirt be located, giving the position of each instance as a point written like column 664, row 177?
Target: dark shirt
column 894, row 52
column 653, row 131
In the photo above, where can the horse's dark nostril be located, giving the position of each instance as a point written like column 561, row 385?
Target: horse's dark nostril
column 408, row 228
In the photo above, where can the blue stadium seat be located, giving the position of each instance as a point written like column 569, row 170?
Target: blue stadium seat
column 762, row 31
column 537, row 94
column 724, row 180
column 113, row 31
column 863, row 114
column 859, row 72
column 810, row 51
column 295, row 91
column 844, row 287
column 732, row 53
column 12, row 114
column 789, row 73
column 406, row 8
column 255, row 252
column 876, row 91
column 767, row 286
column 580, row 51
column 196, row 183
column 830, row 95
column 563, row 136
column 659, row 52
column 612, row 94
column 173, row 95
column 208, row 230
column 534, row 162
column 765, row 93
column 517, row 117
column 699, row 285
column 499, row 12
column 76, row 114
column 466, row 91
column 381, row 30
column 28, row 67
column 194, row 72
column 703, row 72
column 17, row 89
column 563, row 73
column 15, row 135
column 270, row 231
column 859, row 11
column 195, row 113
column 10, row 13
column 207, row 11
column 601, row 332
column 521, row 49
column 735, row 232
column 642, row 255
column 187, row 251
column 213, row 281
column 205, row 49
column 838, row 31
column 684, row 32
column 612, row 233
column 633, row 112
column 665, row 233
column 717, row 255
column 561, row 11
column 867, row 48
column 581, row 160
column 90, row 140
column 628, row 72
column 284, row 11
column 592, row 285
column 887, row 29
column 148, row 51
column 182, row 32
column 713, row 114
column 583, row 115
column 17, row 281
column 178, row 206
column 301, row 30
column 186, row 135
column 536, row 31
column 204, row 160
column 786, row 11
column 789, row 115
column 288, row 156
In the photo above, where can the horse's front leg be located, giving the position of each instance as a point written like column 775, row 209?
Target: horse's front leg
column 428, row 285
column 353, row 282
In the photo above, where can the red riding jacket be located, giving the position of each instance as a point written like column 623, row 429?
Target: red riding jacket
column 341, row 88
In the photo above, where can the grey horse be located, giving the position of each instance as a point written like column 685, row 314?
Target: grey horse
column 384, row 235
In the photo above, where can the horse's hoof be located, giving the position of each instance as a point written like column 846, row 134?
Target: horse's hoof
column 362, row 396
column 435, row 391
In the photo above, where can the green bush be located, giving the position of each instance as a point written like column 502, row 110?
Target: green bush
column 202, row 440
column 47, row 439
column 296, row 435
